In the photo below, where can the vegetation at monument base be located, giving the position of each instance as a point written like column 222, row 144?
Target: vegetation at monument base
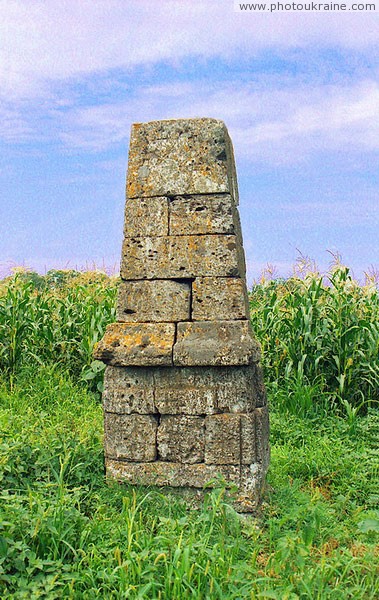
column 65, row 533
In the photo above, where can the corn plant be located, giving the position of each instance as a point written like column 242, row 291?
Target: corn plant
column 56, row 319
column 317, row 333
column 322, row 330
column 15, row 323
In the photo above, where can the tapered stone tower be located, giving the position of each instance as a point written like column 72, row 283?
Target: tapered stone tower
column 184, row 400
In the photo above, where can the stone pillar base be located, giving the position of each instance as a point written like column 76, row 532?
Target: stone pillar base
column 184, row 399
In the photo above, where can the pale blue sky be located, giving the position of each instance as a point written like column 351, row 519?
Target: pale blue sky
column 298, row 92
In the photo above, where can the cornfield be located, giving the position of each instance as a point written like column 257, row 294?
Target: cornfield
column 319, row 334
column 54, row 319
column 66, row 532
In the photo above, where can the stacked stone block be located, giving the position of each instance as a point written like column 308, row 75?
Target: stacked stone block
column 184, row 401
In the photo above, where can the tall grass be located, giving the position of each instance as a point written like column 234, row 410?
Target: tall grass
column 54, row 319
column 65, row 533
column 320, row 337
column 319, row 334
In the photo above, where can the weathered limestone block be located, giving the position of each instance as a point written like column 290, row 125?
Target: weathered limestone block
column 181, row 256
column 146, row 217
column 215, row 343
column 130, row 437
column 180, row 390
column 204, row 390
column 214, row 298
column 183, row 156
column 173, row 474
column 259, row 386
column 251, row 486
column 187, row 391
column 180, row 439
column 129, row 390
column 161, row 300
column 262, row 430
column 202, row 214
column 229, row 439
column 235, row 392
column 137, row 344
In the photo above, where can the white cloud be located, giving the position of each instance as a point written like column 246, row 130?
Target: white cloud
column 14, row 126
column 46, row 46
column 273, row 124
column 307, row 119
column 272, row 120
column 44, row 41
column 335, row 109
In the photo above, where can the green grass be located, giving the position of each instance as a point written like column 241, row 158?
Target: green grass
column 65, row 533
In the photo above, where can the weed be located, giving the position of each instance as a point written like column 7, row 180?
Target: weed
column 65, row 533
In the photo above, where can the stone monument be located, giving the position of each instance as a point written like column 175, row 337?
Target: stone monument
column 184, row 400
